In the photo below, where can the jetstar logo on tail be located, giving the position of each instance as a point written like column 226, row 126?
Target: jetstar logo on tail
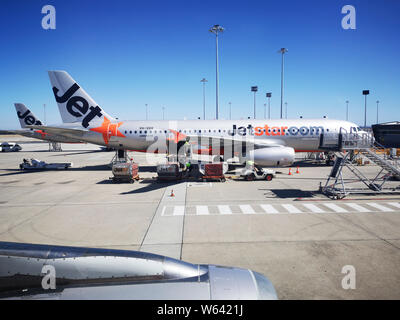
column 108, row 129
column 77, row 106
column 28, row 118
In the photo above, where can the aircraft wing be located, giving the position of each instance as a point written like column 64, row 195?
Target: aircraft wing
column 61, row 131
column 209, row 141
column 264, row 152
column 13, row 131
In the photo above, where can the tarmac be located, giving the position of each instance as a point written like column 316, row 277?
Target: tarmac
column 285, row 228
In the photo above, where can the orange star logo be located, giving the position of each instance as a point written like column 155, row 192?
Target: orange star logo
column 177, row 136
column 43, row 134
column 108, row 129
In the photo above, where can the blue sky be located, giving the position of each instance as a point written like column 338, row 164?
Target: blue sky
column 129, row 53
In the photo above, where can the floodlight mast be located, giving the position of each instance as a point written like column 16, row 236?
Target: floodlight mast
column 204, row 80
column 216, row 29
column 254, row 89
column 269, row 95
column 365, row 93
column 282, row 51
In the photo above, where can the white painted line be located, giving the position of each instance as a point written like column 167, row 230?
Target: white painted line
column 202, row 210
column 357, row 207
column 179, row 210
column 380, row 207
column 313, row 207
column 163, row 211
column 334, row 207
column 269, row 208
column 291, row 208
column 394, row 204
column 224, row 209
column 247, row 209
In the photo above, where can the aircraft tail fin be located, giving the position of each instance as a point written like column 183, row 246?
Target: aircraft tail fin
column 26, row 116
column 74, row 103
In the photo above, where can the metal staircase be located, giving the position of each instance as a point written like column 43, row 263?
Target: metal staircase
column 367, row 147
column 381, row 161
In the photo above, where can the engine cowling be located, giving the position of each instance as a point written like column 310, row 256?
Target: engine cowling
column 272, row 156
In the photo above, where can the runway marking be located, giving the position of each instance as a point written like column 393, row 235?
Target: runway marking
column 269, row 209
column 358, row 207
column 291, row 208
column 277, row 208
column 313, row 208
column 247, row 209
column 179, row 210
column 224, row 209
column 202, row 210
column 380, row 207
column 335, row 207
column 394, row 204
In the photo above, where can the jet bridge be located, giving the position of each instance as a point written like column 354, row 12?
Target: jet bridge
column 345, row 145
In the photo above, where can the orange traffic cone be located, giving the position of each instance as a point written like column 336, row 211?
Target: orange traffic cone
column 172, row 193
column 297, row 171
column 290, row 171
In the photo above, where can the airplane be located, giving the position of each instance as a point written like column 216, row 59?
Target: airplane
column 38, row 271
column 266, row 142
column 26, row 118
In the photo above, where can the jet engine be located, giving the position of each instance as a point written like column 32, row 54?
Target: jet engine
column 272, row 156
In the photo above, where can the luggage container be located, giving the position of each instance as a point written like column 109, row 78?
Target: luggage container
column 170, row 171
column 125, row 172
column 213, row 171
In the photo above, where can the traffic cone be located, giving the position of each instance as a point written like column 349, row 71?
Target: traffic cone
column 297, row 171
column 290, row 171
column 172, row 193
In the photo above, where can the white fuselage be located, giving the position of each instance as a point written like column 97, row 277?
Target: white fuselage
column 299, row 134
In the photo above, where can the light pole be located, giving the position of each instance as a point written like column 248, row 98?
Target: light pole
column 286, row 109
column 254, row 89
column 347, row 110
column 377, row 109
column 269, row 94
column 216, row 29
column 230, row 110
column 204, row 80
column 283, row 51
column 163, row 109
column 365, row 93
column 146, row 112
column 265, row 111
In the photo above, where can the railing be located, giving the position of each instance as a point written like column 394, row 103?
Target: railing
column 346, row 141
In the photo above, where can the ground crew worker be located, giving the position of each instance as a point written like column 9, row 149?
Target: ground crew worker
column 250, row 164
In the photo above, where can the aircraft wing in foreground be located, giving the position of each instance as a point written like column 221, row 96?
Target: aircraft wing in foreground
column 31, row 271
